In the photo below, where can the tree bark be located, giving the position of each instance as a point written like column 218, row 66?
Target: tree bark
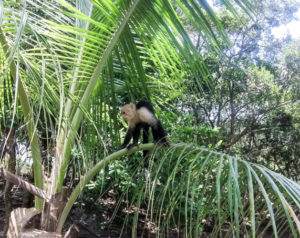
column 8, row 146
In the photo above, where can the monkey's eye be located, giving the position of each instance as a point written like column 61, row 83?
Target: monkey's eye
column 123, row 113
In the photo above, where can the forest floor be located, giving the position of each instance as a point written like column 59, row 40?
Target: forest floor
column 92, row 225
column 87, row 223
column 94, row 219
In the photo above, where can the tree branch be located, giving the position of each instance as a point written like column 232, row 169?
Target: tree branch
column 18, row 181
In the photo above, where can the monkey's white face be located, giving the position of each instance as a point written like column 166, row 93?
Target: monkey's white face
column 128, row 112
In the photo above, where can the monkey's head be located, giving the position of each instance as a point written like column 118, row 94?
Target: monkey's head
column 128, row 111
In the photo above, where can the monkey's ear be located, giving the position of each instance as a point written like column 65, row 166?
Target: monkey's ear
column 132, row 106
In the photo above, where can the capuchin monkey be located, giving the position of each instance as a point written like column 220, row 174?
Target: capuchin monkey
column 141, row 116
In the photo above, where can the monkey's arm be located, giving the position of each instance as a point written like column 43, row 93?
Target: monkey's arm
column 127, row 138
column 135, row 134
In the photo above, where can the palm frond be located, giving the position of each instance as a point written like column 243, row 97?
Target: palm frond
column 234, row 197
column 186, row 188
column 65, row 47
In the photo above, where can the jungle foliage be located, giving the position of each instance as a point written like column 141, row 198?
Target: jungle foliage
column 219, row 81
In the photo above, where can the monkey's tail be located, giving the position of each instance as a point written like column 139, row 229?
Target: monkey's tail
column 161, row 137
column 145, row 140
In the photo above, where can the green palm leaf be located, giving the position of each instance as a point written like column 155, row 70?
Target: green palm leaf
column 202, row 185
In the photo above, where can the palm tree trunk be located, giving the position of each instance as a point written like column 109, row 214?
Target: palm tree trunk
column 9, row 148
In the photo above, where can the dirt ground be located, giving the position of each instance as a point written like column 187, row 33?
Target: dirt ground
column 90, row 225
column 85, row 230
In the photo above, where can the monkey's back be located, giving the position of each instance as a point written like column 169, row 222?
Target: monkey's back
column 146, row 104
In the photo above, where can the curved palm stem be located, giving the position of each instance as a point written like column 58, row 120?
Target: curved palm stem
column 274, row 193
column 89, row 175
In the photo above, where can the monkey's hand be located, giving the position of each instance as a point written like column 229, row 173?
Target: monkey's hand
column 129, row 147
column 163, row 142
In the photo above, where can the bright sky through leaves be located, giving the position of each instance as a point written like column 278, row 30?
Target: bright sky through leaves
column 292, row 28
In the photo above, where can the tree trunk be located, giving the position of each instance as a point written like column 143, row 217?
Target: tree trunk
column 9, row 148
column 232, row 109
